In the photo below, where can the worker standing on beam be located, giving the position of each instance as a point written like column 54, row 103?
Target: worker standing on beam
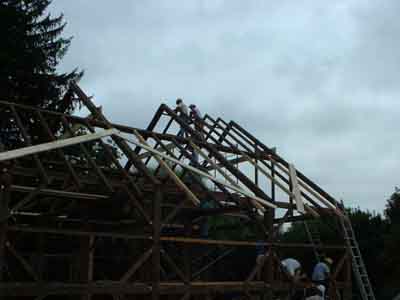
column 183, row 113
column 196, row 116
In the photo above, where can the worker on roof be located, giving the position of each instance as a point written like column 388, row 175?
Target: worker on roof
column 322, row 271
column 292, row 267
column 183, row 113
column 194, row 111
column 196, row 116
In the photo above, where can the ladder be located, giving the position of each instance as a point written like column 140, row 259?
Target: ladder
column 359, row 269
column 315, row 239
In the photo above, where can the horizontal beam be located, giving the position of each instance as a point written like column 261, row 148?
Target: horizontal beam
column 59, row 193
column 247, row 243
column 166, row 288
column 12, row 154
column 28, row 289
column 77, row 233
column 169, row 238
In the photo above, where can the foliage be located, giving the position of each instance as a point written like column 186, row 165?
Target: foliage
column 369, row 230
column 392, row 245
column 30, row 51
column 31, row 48
column 392, row 210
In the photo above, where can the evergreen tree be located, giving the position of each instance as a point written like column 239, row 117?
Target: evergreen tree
column 31, row 48
column 392, row 210
column 392, row 245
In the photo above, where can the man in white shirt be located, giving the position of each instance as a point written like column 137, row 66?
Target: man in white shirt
column 292, row 267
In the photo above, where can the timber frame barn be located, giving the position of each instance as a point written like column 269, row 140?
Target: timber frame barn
column 90, row 209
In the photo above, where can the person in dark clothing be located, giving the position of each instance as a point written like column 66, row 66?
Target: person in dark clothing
column 196, row 117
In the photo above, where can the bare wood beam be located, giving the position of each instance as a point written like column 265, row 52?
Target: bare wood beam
column 28, row 268
column 173, row 265
column 171, row 173
column 202, row 173
column 77, row 233
column 86, row 262
column 173, row 288
column 246, row 243
column 280, row 159
column 131, row 155
column 59, row 193
column 29, row 150
column 3, row 236
column 60, row 152
column 88, row 156
column 138, row 193
column 132, row 270
column 296, row 189
column 156, row 263
column 27, row 141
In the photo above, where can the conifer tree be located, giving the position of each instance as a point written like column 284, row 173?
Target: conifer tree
column 31, row 47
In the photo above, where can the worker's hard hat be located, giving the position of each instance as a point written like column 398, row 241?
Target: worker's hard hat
column 329, row 260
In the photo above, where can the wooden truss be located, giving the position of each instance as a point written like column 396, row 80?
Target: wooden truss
column 91, row 209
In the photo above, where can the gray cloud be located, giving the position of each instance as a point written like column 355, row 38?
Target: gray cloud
column 319, row 80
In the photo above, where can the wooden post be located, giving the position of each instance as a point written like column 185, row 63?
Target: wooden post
column 269, row 267
column 40, row 263
column 155, row 292
column 2, row 245
column 5, row 182
column 86, row 262
column 187, row 257
column 347, row 292
column 2, row 249
column 255, row 167
column 269, row 224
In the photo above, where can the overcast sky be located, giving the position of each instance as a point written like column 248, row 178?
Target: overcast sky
column 317, row 79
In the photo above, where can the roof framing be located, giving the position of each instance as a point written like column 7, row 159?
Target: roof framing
column 109, row 181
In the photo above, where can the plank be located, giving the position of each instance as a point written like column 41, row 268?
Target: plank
column 296, row 189
column 13, row 154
